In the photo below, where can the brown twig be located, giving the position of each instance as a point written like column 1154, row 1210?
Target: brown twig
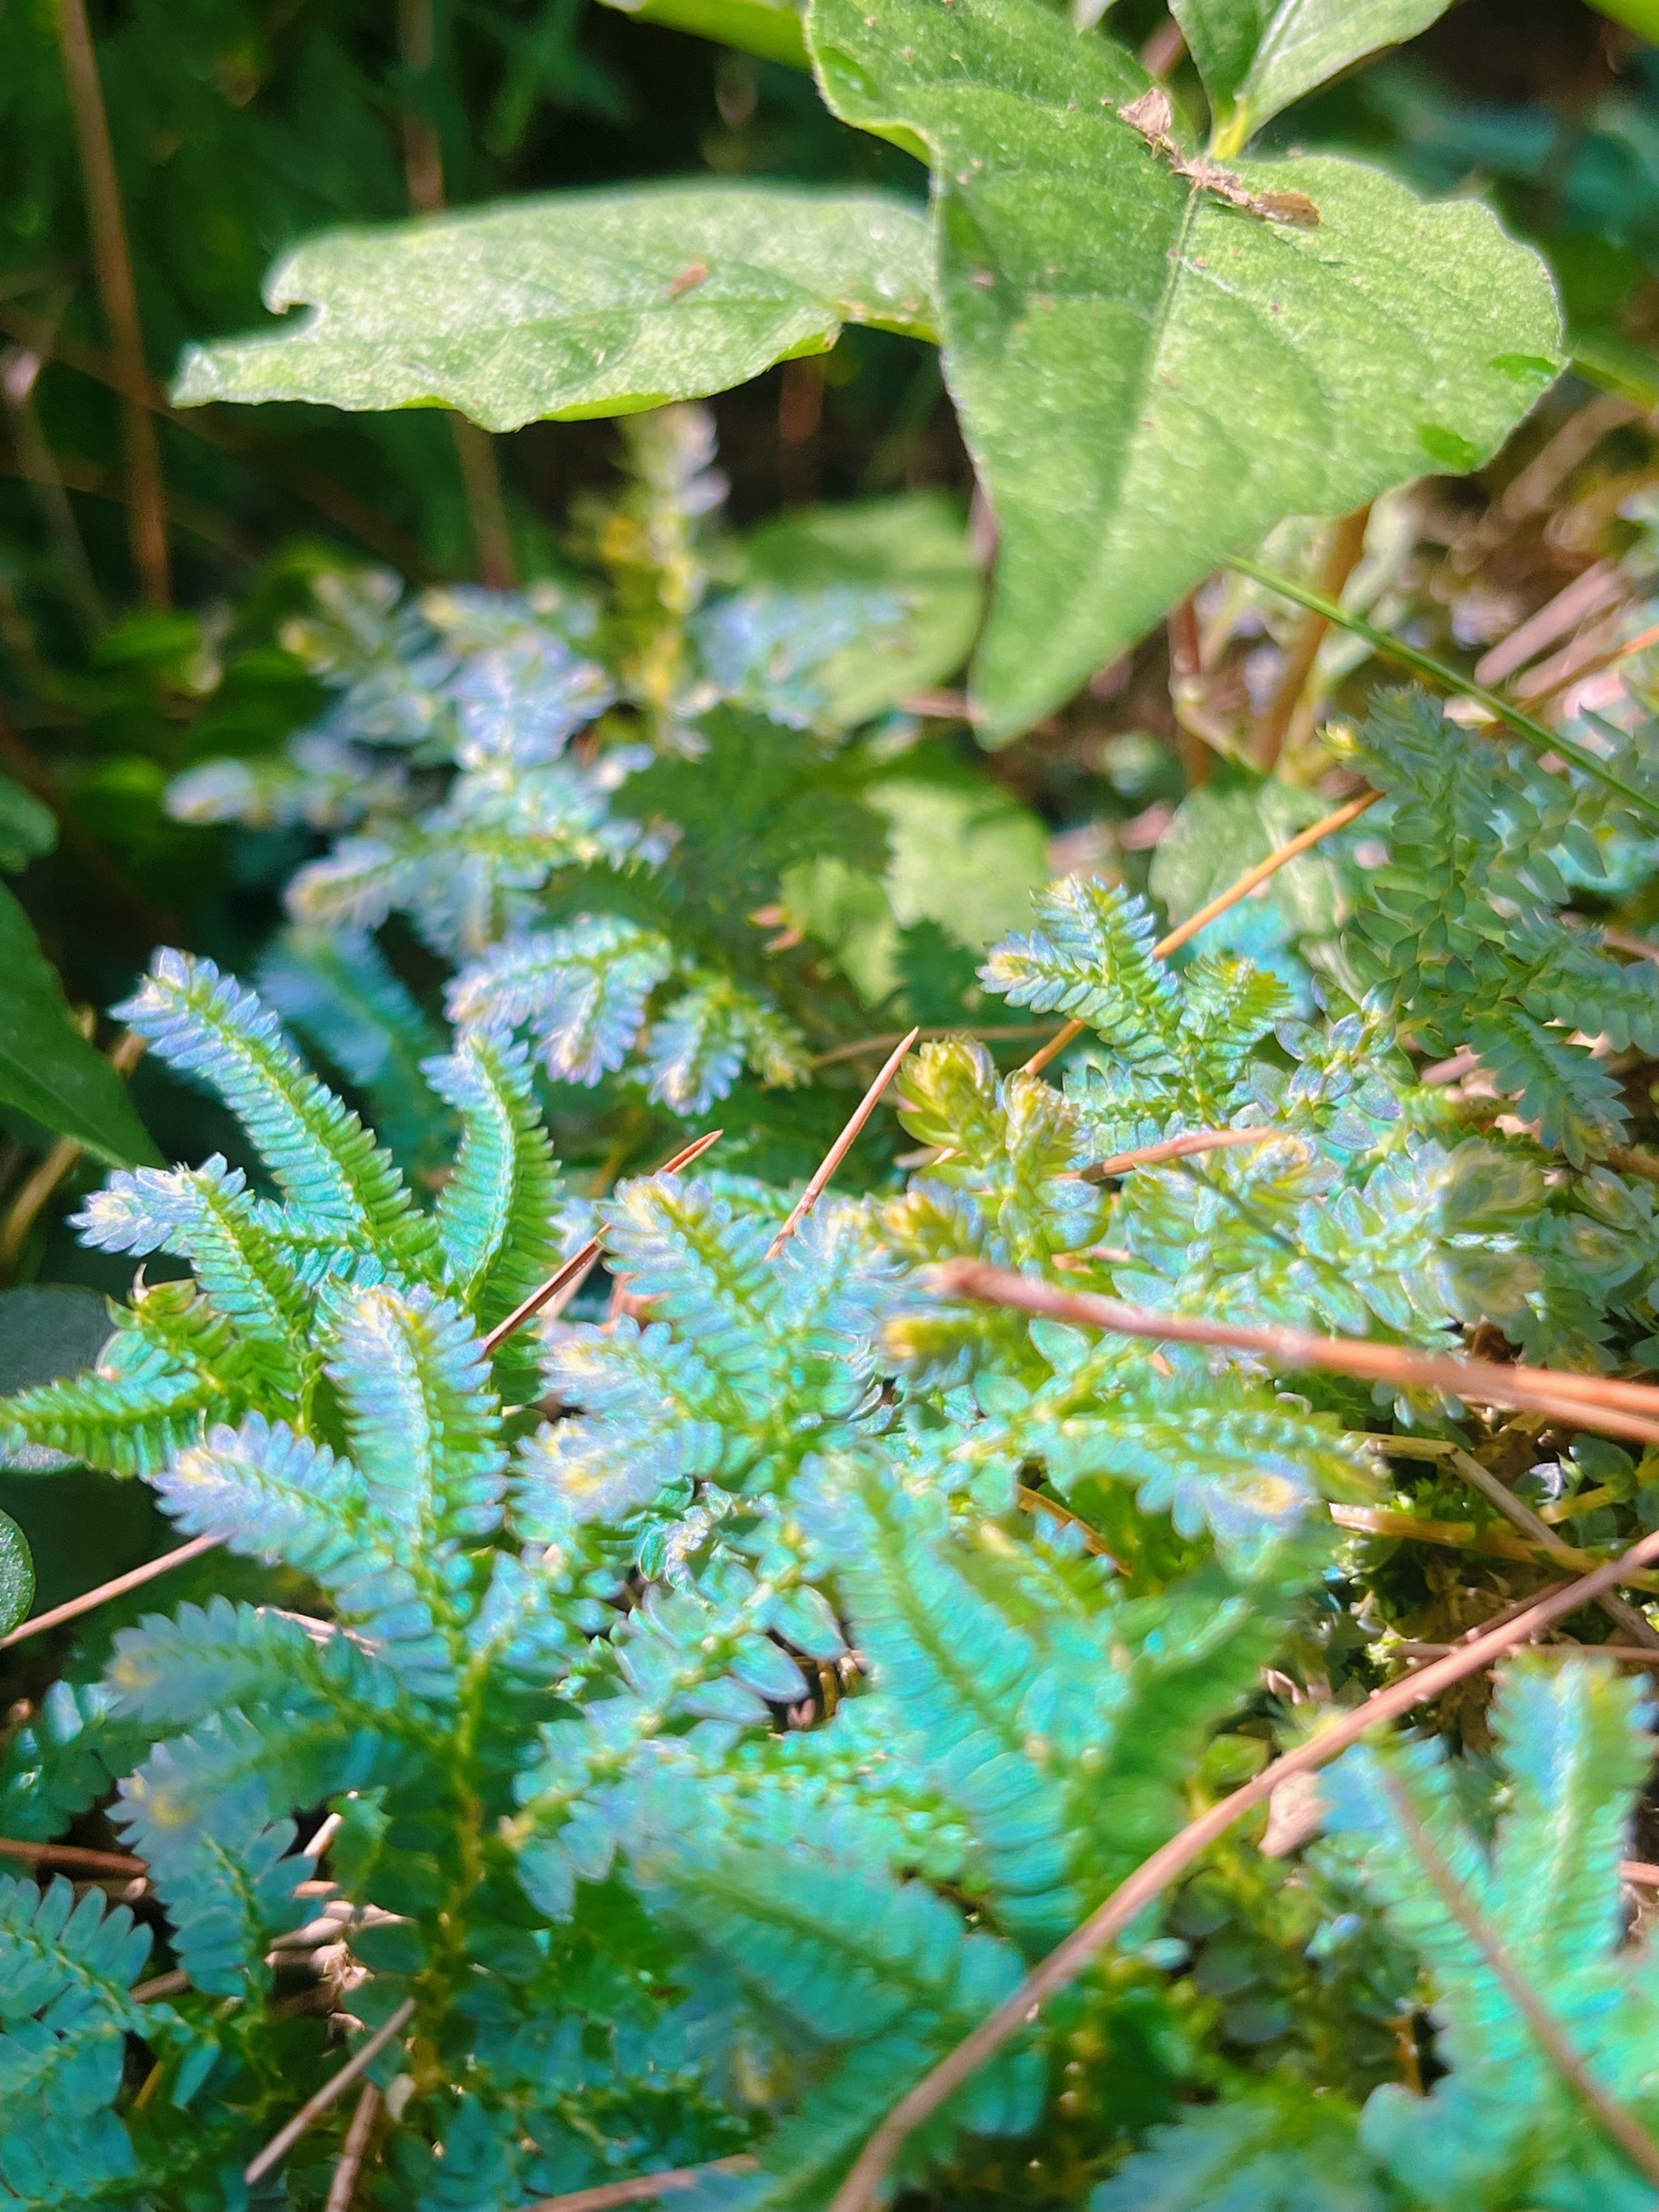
column 1150, row 1880
column 313, row 2108
column 1588, row 1401
column 843, row 1144
column 1641, row 1871
column 1616, row 2123
column 1599, row 588
column 1184, row 931
column 171, row 1984
column 19, row 367
column 567, row 1278
column 642, row 2188
column 424, row 173
column 112, row 1864
column 1622, row 1654
column 113, row 261
column 74, row 1607
column 1272, row 725
column 1458, row 1536
column 1186, row 691
column 1178, row 1148
column 344, row 2186
column 1539, row 1532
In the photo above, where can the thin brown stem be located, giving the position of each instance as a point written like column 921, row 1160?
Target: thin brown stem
column 114, row 1865
column 1347, row 549
column 843, row 1144
column 313, row 2108
column 1184, row 931
column 1589, row 1401
column 1458, row 1536
column 19, row 367
column 481, row 476
column 1619, row 2126
column 642, row 2188
column 1186, row 691
column 89, row 1600
column 171, row 1984
column 1622, row 1654
column 423, row 174
column 1521, row 1515
column 1183, row 1147
column 1150, row 1880
column 566, row 1279
column 344, row 2186
column 113, row 261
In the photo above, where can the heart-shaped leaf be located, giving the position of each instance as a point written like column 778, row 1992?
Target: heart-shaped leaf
column 1255, row 57
column 47, row 1069
column 1149, row 376
column 588, row 303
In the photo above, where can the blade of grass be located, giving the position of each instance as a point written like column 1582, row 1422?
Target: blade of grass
column 1451, row 679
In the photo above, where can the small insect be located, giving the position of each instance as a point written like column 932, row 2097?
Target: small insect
column 688, row 279
column 1151, row 115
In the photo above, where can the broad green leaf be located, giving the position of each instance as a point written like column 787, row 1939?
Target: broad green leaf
column 28, row 827
column 1255, row 57
column 770, row 28
column 1149, row 378
column 16, row 1575
column 963, row 855
column 47, row 1069
column 1641, row 16
column 1218, row 833
column 586, row 303
column 908, row 562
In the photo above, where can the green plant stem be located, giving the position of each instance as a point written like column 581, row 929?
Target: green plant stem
column 113, row 261
column 1442, row 673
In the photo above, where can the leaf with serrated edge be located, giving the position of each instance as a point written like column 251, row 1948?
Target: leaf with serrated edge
column 1255, row 57
column 586, row 303
column 1149, row 378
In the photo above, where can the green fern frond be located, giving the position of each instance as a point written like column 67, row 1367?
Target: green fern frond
column 320, row 1154
column 498, row 1216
